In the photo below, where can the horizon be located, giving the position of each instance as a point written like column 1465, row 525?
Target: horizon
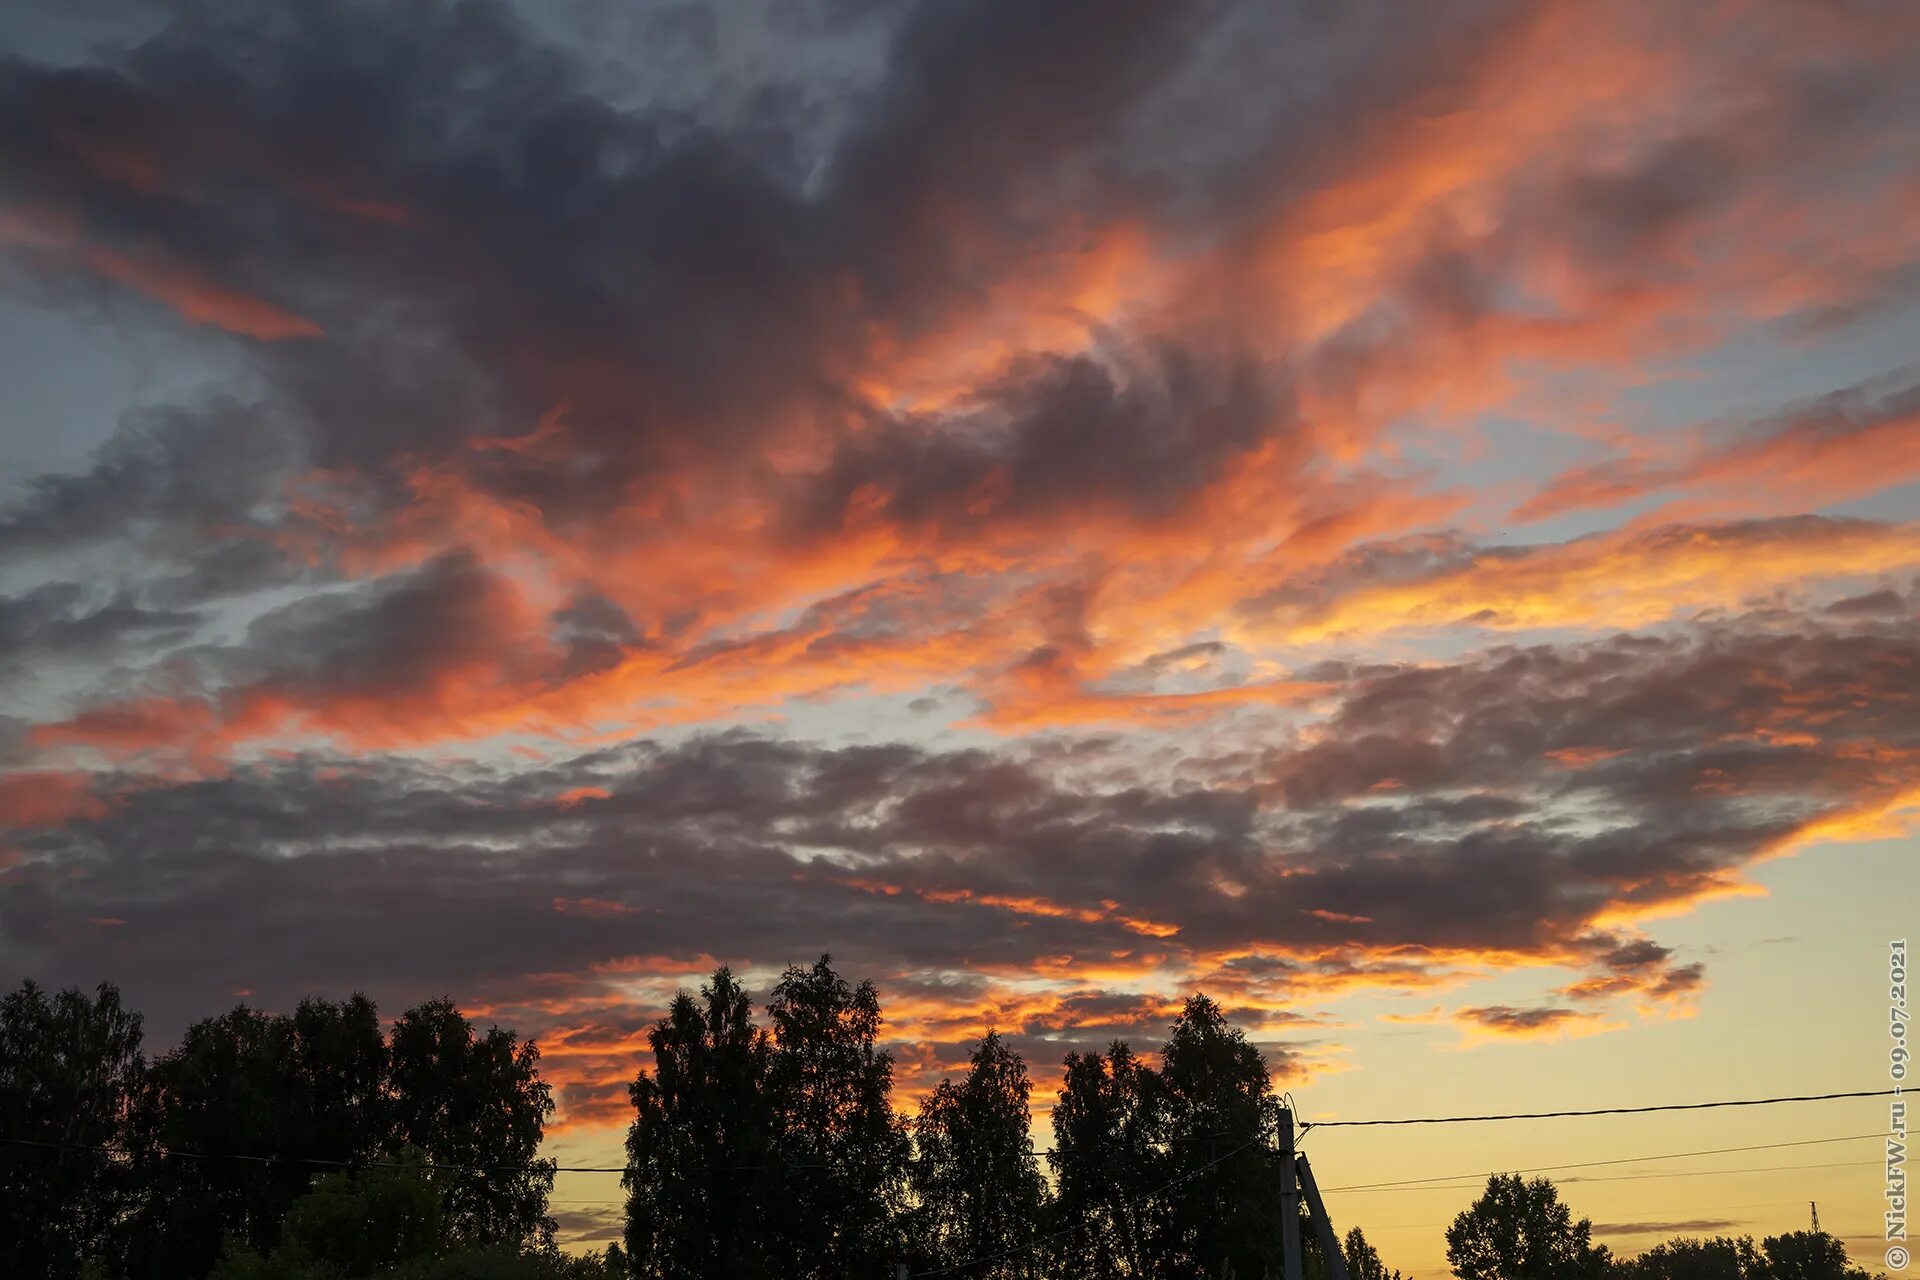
column 1406, row 521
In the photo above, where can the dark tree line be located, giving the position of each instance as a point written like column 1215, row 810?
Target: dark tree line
column 315, row 1146
column 762, row 1151
column 160, row 1169
column 1520, row 1230
column 759, row 1152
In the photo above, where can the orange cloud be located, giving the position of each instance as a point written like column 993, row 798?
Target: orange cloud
column 1832, row 452
column 1507, row 1022
column 1623, row 579
column 46, row 799
column 1108, row 912
column 198, row 298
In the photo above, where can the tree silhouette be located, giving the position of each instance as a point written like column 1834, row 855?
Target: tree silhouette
column 1107, row 1159
column 352, row 1225
column 280, row 1091
column 840, row 1154
column 1519, row 1230
column 1808, row 1255
column 468, row 1099
column 307, row 1146
column 1715, row 1258
column 1221, row 1118
column 69, row 1067
column 976, row 1183
column 385, row 1223
column 700, row 1190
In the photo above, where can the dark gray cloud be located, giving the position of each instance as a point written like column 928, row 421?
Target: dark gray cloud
column 1884, row 601
column 481, row 240
column 185, row 479
column 1508, row 1020
column 62, row 621
column 1676, row 1226
column 1060, row 434
column 586, row 1222
column 316, row 872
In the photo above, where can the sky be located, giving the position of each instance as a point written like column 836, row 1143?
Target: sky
column 1405, row 519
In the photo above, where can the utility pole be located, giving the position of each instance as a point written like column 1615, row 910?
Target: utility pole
column 1322, row 1224
column 1816, row 1216
column 1289, row 1200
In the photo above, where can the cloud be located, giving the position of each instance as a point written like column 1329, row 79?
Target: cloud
column 1539, row 1022
column 588, row 1223
column 1845, row 445
column 60, row 622
column 1678, row 1226
column 789, row 401
column 1623, row 578
column 30, row 799
column 1269, row 878
column 199, row 299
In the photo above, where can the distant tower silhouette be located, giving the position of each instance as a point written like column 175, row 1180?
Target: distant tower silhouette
column 1816, row 1216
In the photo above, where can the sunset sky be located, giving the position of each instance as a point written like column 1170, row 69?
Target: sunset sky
column 1405, row 518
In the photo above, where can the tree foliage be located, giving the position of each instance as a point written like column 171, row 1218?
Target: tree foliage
column 386, row 1223
column 352, row 1225
column 1170, row 1172
column 1795, row 1255
column 69, row 1068
column 1807, row 1255
column 839, row 1151
column 468, row 1099
column 308, row 1146
column 275, row 1097
column 975, row 1180
column 1224, row 1210
column 699, row 1185
column 1107, row 1158
column 126, row 1168
column 1520, row 1230
column 768, row 1152
column 1714, row 1258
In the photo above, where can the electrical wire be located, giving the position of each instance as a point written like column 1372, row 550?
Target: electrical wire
column 1594, row 1164
column 178, row 1153
column 1469, row 1181
column 1601, row 1111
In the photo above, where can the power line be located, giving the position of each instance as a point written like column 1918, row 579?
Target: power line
column 536, row 1166
column 1441, row 1183
column 1705, row 1208
column 1594, row 1164
column 1601, row 1111
column 1469, row 1180
column 1707, row 1173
